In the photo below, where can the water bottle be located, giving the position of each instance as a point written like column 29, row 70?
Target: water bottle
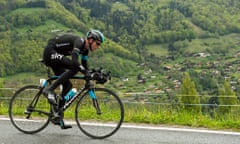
column 70, row 94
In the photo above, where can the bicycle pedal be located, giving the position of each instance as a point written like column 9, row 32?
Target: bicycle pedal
column 66, row 126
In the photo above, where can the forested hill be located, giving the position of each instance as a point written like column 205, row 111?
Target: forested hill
column 159, row 33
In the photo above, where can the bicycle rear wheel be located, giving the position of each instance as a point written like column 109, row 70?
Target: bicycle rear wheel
column 29, row 110
column 102, row 125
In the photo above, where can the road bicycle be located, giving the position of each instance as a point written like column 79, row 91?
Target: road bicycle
column 99, row 112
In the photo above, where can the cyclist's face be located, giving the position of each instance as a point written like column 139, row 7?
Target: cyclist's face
column 95, row 45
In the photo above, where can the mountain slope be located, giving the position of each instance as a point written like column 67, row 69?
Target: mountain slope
column 33, row 23
column 159, row 34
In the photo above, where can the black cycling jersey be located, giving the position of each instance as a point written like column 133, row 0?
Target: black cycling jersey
column 67, row 45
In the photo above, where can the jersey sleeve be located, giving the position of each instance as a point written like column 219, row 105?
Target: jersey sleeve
column 84, row 61
column 75, row 55
column 76, row 52
column 80, row 51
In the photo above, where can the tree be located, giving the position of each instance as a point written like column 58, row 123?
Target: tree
column 1, row 86
column 189, row 95
column 226, row 98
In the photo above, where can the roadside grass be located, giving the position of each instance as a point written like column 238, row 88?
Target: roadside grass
column 3, row 109
column 164, row 115
column 169, row 116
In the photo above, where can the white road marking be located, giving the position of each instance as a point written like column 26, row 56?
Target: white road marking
column 158, row 128
column 181, row 129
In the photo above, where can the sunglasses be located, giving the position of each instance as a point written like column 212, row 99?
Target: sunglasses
column 98, row 43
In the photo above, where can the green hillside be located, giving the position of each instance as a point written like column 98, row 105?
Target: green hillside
column 168, row 37
column 33, row 23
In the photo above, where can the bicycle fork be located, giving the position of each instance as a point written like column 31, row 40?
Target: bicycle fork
column 95, row 101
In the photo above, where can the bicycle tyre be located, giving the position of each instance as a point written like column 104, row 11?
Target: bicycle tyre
column 103, row 125
column 39, row 117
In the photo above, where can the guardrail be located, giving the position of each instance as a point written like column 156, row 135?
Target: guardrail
column 134, row 98
column 130, row 99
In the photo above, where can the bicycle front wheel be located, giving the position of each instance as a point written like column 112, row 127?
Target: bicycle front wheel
column 29, row 110
column 101, row 124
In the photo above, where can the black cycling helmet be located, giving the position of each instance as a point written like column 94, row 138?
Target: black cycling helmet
column 96, row 35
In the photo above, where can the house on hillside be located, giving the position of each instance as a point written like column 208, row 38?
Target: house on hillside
column 201, row 55
column 141, row 79
column 167, row 68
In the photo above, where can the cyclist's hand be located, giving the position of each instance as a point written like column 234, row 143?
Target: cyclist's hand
column 100, row 78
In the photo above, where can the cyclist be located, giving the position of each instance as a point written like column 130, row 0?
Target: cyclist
column 55, row 56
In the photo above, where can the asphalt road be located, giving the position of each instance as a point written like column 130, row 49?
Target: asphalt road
column 128, row 134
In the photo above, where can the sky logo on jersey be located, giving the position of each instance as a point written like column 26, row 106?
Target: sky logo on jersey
column 56, row 56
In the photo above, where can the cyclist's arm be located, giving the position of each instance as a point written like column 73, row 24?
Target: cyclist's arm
column 75, row 55
column 84, row 61
column 77, row 51
column 84, row 58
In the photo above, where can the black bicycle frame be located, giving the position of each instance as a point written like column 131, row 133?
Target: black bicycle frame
column 67, row 104
column 88, row 86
